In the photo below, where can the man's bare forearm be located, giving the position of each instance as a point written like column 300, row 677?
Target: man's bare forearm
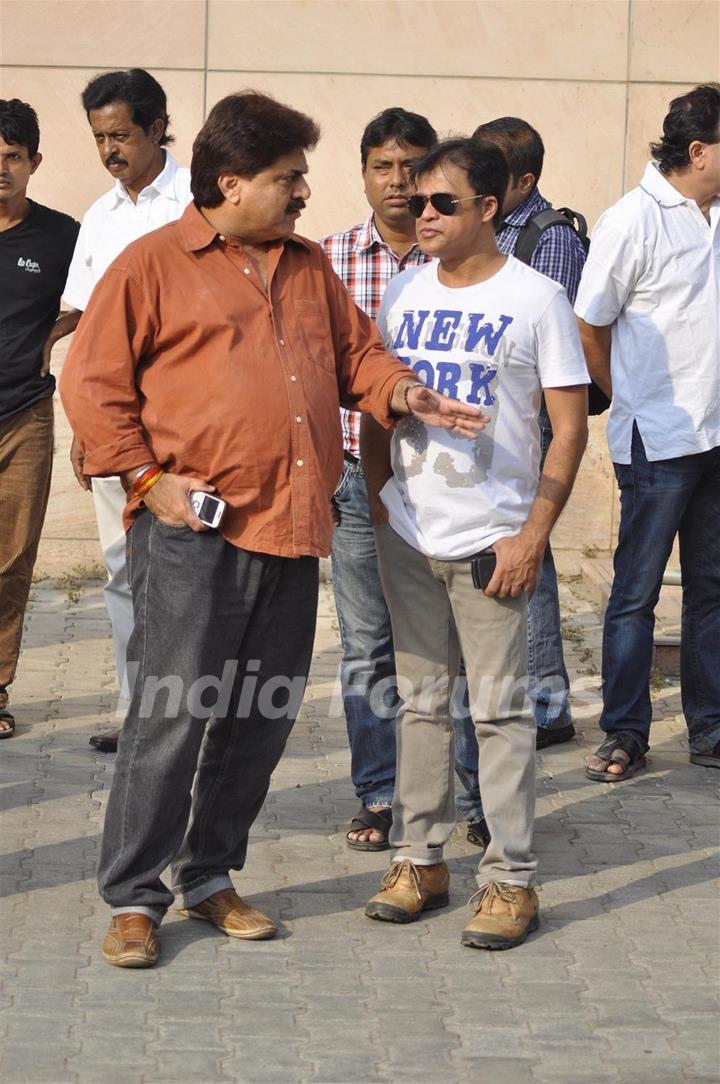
column 398, row 401
column 64, row 325
column 556, row 482
column 520, row 556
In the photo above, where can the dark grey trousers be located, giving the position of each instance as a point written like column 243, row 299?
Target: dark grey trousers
column 219, row 655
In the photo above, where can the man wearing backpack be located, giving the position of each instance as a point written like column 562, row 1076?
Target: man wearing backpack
column 550, row 244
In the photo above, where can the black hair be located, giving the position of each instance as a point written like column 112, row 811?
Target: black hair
column 695, row 115
column 520, row 143
column 396, row 123
column 19, row 124
column 244, row 134
column 138, row 89
column 486, row 167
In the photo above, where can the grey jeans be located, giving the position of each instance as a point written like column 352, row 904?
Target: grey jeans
column 221, row 649
column 436, row 615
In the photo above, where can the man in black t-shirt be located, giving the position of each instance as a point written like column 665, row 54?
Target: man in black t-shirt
column 36, row 246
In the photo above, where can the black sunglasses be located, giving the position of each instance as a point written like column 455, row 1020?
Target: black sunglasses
column 442, row 202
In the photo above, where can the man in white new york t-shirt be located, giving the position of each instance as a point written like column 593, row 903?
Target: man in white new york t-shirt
column 486, row 329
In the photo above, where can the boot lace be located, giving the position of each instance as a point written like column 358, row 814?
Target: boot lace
column 396, row 871
column 492, row 890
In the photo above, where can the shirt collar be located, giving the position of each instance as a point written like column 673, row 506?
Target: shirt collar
column 524, row 211
column 198, row 233
column 368, row 236
column 164, row 184
column 659, row 187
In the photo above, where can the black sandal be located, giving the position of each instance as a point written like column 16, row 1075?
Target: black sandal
column 478, row 833
column 379, row 821
column 708, row 760
column 7, row 717
column 623, row 748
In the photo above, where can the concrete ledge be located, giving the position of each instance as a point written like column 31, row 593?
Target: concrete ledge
column 597, row 574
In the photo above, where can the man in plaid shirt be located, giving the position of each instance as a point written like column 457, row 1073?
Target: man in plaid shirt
column 560, row 255
column 366, row 257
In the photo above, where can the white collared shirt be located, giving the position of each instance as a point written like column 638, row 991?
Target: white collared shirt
column 653, row 272
column 113, row 221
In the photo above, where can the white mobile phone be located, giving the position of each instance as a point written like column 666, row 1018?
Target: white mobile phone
column 207, row 508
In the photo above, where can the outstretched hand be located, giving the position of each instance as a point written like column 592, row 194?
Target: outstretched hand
column 438, row 410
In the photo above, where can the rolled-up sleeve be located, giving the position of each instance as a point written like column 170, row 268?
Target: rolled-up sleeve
column 98, row 383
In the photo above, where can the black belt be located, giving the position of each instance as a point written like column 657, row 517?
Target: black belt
column 350, row 458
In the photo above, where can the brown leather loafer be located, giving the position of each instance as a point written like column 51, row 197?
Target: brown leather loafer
column 233, row 916
column 504, row 916
column 131, row 941
column 408, row 890
column 105, row 743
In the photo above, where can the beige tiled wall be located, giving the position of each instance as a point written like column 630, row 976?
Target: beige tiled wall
column 595, row 77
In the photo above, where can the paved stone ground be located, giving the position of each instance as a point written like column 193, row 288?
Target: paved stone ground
column 619, row 985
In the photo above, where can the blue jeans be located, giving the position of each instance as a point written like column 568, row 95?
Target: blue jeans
column 368, row 665
column 548, row 684
column 657, row 501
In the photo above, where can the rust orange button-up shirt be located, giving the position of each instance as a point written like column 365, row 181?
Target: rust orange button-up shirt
column 183, row 358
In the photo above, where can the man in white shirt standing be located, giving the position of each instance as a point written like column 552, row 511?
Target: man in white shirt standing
column 649, row 305
column 127, row 112
column 486, row 329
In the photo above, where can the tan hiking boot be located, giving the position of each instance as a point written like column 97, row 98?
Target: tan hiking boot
column 504, row 916
column 408, row 890
column 233, row 916
column 131, row 941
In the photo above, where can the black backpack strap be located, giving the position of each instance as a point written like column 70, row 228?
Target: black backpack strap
column 579, row 222
column 533, row 229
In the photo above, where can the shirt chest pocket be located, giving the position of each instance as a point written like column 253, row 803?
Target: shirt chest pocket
column 314, row 334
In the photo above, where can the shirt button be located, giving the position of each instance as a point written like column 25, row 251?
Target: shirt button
column 299, row 418
column 282, row 342
column 246, row 270
column 294, row 379
column 300, row 462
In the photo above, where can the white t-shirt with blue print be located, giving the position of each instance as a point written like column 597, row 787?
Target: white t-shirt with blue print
column 495, row 344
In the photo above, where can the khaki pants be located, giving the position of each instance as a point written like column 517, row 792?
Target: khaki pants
column 26, row 451
column 436, row 615
column 109, row 499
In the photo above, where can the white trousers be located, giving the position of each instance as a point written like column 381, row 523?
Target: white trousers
column 109, row 499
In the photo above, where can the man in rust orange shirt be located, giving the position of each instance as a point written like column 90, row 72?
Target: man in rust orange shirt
column 213, row 356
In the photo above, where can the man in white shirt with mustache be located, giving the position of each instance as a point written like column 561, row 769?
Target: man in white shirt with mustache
column 127, row 113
